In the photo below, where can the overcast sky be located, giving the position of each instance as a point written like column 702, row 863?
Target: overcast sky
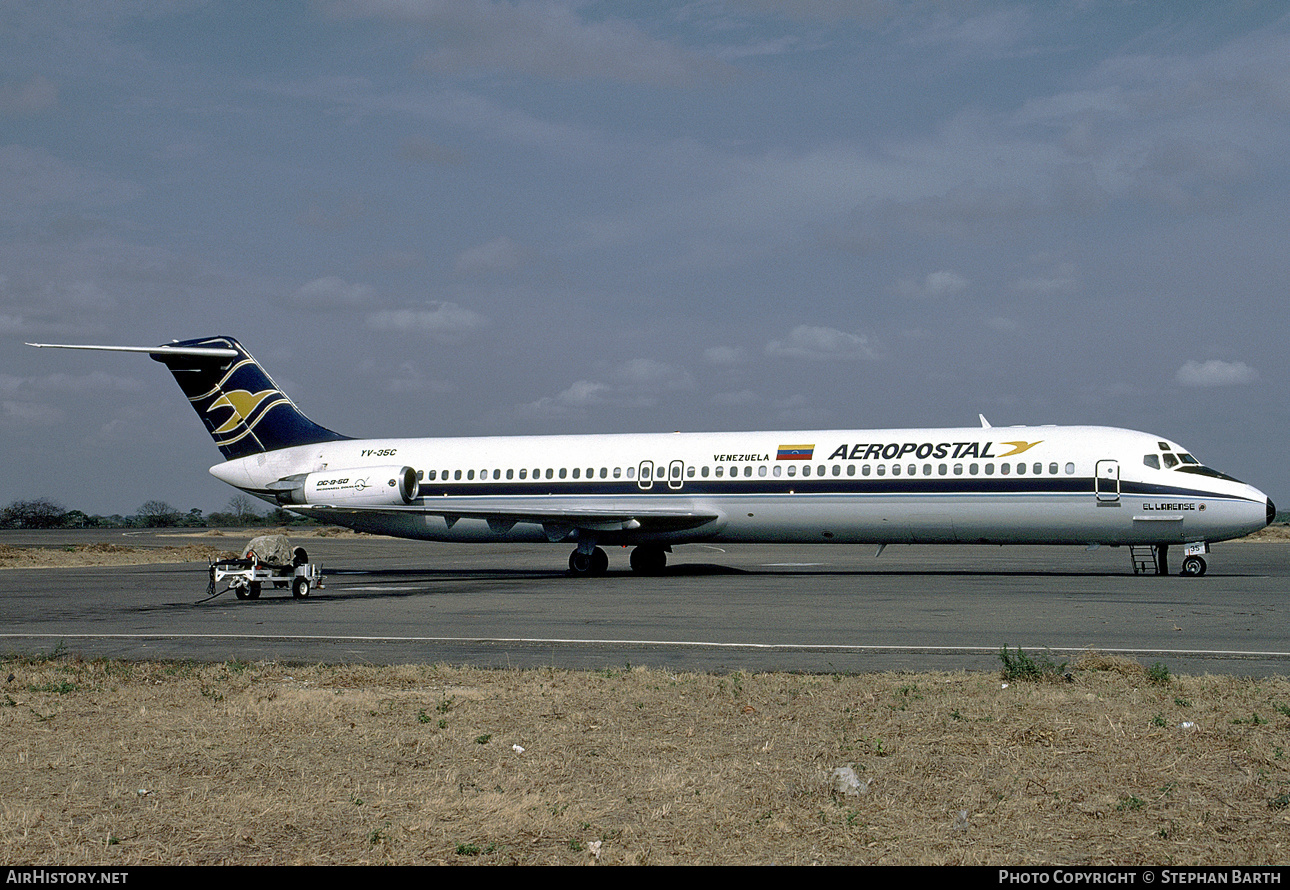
column 540, row 216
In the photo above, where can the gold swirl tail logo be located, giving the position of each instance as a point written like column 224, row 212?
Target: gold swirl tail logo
column 242, row 404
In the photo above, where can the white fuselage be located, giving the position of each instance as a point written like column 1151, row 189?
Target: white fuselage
column 998, row 485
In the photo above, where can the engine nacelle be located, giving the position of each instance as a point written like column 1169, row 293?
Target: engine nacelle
column 371, row 486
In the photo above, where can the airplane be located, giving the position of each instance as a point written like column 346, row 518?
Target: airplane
column 1078, row 485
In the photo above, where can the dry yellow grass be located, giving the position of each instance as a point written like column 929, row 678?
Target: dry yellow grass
column 117, row 763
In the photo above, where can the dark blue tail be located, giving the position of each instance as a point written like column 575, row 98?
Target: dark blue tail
column 243, row 409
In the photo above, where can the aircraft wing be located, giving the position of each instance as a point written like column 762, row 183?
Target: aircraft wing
column 557, row 517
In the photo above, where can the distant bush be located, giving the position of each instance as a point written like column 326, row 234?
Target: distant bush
column 44, row 513
column 38, row 513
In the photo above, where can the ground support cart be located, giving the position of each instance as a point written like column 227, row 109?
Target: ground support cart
column 247, row 576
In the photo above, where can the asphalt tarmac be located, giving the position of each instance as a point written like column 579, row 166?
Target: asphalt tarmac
column 754, row 608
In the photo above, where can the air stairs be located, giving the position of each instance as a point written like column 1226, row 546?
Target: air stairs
column 1144, row 559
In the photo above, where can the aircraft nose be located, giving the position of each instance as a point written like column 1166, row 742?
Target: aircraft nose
column 1272, row 512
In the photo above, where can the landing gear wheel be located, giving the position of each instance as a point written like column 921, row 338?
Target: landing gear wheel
column 300, row 588
column 584, row 565
column 647, row 560
column 1194, row 566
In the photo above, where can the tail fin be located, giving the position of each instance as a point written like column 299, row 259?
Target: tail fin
column 243, row 409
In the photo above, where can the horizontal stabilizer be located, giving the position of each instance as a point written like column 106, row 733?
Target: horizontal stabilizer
column 205, row 351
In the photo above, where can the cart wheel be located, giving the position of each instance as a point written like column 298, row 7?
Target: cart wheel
column 253, row 590
column 300, row 588
column 241, row 593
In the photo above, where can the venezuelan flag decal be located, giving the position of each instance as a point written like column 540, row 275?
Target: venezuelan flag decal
column 795, row 452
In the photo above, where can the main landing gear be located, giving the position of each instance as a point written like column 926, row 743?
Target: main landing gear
column 647, row 559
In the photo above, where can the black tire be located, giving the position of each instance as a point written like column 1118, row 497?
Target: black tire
column 580, row 564
column 299, row 557
column 300, row 588
column 647, row 560
column 1194, row 566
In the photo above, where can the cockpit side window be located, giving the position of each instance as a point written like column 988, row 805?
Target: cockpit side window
column 1152, row 461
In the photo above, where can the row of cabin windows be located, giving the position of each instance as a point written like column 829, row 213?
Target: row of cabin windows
column 720, row 471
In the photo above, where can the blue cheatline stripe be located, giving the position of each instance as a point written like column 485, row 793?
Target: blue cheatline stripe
column 1072, row 486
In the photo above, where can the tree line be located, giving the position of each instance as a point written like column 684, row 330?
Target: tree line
column 46, row 513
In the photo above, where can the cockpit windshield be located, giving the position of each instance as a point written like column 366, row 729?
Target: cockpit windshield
column 1183, row 463
column 1201, row 470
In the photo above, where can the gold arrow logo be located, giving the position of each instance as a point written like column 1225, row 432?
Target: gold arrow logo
column 1018, row 447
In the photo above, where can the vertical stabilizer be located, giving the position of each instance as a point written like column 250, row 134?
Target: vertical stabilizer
column 243, row 409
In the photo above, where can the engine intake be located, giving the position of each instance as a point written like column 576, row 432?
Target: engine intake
column 373, row 486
